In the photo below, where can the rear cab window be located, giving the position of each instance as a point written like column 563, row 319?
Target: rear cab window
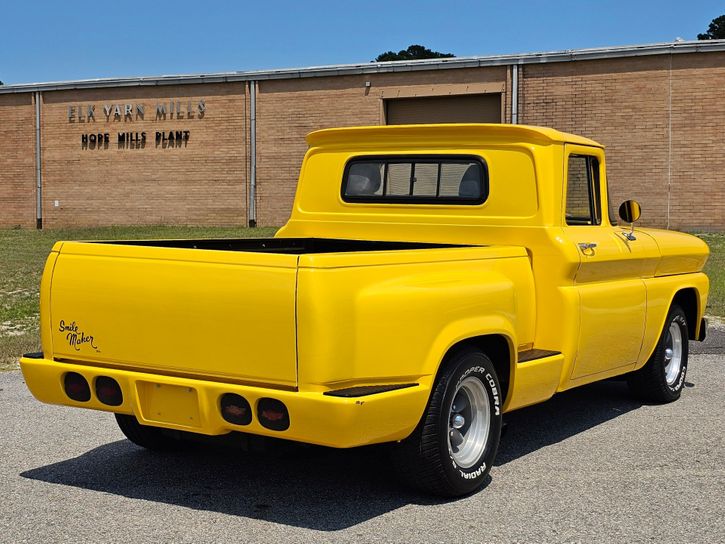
column 444, row 179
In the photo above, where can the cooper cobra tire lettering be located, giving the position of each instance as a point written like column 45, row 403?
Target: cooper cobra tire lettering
column 425, row 460
column 494, row 393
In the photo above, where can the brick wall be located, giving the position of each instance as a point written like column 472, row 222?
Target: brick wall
column 17, row 160
column 698, row 142
column 286, row 112
column 289, row 109
column 621, row 103
column 625, row 104
column 660, row 118
column 199, row 181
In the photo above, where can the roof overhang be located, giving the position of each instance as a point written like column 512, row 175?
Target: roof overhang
column 570, row 55
column 451, row 133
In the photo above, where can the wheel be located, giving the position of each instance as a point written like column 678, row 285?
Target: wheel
column 451, row 451
column 662, row 378
column 151, row 438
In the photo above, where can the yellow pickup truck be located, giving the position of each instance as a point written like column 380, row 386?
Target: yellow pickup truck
column 431, row 278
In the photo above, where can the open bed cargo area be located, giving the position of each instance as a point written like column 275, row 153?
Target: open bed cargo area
column 291, row 246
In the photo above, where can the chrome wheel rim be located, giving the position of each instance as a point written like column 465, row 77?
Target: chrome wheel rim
column 673, row 353
column 469, row 422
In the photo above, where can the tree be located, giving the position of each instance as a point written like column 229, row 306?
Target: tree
column 716, row 30
column 414, row 52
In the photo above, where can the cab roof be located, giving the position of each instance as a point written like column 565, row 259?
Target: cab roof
column 449, row 133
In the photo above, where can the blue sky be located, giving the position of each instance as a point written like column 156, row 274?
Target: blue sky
column 48, row 41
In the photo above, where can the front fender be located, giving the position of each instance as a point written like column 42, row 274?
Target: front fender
column 661, row 292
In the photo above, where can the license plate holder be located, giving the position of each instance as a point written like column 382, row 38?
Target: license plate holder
column 170, row 404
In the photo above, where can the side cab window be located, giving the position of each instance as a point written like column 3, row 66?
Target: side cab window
column 583, row 198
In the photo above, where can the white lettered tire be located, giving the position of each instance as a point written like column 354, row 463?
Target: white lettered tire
column 663, row 377
column 453, row 448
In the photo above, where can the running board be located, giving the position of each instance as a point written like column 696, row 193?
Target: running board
column 533, row 354
column 535, row 378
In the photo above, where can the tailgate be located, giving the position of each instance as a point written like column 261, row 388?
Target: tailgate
column 210, row 313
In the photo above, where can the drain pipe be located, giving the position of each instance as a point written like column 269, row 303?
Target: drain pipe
column 253, row 153
column 38, row 162
column 515, row 94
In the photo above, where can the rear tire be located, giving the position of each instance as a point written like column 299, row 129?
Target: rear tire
column 452, row 450
column 662, row 378
column 151, row 438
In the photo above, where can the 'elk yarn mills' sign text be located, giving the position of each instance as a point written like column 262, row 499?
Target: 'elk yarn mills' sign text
column 134, row 112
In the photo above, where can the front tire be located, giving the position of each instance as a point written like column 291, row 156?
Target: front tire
column 452, row 450
column 662, row 378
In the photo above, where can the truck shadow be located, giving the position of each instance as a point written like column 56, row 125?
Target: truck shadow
column 316, row 488
column 565, row 415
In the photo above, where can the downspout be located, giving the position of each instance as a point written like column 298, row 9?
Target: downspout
column 38, row 170
column 253, row 153
column 669, row 140
column 515, row 94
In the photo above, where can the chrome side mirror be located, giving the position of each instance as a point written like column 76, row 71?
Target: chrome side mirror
column 629, row 212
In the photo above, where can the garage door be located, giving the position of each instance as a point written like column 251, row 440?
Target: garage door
column 469, row 108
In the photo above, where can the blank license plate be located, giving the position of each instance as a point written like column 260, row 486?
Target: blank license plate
column 169, row 404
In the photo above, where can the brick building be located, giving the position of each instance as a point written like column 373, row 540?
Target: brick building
column 194, row 149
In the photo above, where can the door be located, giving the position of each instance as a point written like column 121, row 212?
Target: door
column 609, row 278
column 467, row 108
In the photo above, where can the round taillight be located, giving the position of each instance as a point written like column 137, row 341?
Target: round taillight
column 76, row 387
column 108, row 391
column 235, row 409
column 273, row 414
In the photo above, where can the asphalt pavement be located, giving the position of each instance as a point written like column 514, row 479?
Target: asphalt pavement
column 591, row 465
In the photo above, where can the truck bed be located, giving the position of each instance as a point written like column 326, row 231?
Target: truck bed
column 230, row 310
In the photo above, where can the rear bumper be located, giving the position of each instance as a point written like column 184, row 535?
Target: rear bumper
column 315, row 418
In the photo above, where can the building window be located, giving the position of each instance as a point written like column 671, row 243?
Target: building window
column 448, row 179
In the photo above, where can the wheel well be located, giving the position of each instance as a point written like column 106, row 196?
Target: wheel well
column 497, row 347
column 687, row 299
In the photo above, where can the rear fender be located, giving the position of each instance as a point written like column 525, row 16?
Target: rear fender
column 459, row 332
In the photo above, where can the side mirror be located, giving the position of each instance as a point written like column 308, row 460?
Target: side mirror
column 629, row 211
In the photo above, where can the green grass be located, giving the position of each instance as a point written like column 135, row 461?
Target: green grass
column 23, row 253
column 715, row 269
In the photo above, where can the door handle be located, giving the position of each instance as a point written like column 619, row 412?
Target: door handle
column 587, row 248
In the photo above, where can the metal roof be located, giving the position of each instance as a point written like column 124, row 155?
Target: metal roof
column 569, row 55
